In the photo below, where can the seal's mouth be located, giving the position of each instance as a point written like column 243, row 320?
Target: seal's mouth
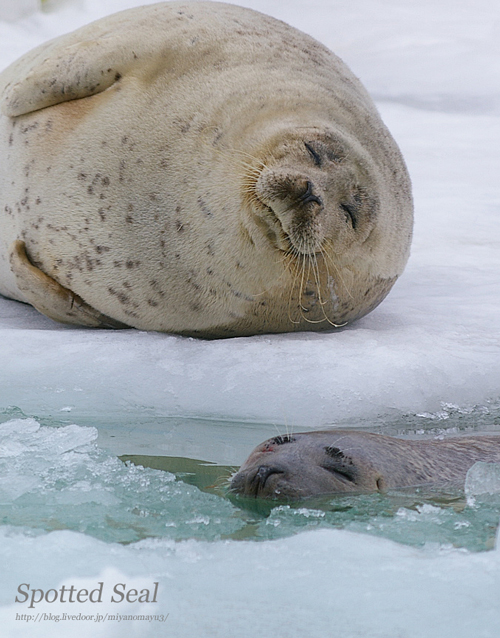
column 292, row 230
column 275, row 231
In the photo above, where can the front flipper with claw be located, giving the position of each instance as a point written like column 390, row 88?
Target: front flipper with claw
column 52, row 299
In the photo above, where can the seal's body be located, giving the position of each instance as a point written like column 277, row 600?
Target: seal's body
column 341, row 461
column 196, row 168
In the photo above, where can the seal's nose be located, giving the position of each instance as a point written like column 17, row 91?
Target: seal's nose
column 307, row 197
column 259, row 479
column 252, row 482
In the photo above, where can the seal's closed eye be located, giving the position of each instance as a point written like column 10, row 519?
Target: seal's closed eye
column 343, row 465
column 334, row 452
column 316, row 157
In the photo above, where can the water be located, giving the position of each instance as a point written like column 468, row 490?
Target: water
column 56, row 477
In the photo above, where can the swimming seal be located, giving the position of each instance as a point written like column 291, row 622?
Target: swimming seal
column 197, row 168
column 340, row 461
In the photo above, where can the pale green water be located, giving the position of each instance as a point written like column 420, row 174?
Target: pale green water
column 62, row 479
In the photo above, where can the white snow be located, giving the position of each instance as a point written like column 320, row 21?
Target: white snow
column 434, row 68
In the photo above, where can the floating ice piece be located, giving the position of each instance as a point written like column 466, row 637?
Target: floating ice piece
column 483, row 478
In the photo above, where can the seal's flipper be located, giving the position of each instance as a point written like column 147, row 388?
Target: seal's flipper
column 78, row 65
column 52, row 299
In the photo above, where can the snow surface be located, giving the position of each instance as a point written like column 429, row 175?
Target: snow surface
column 433, row 67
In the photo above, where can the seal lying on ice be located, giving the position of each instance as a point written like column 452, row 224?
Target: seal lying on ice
column 197, row 168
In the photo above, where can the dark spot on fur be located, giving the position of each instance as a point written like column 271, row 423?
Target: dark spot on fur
column 30, row 127
column 204, row 208
column 132, row 264
column 217, row 137
column 122, row 297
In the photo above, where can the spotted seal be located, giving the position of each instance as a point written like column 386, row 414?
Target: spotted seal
column 341, row 461
column 197, row 168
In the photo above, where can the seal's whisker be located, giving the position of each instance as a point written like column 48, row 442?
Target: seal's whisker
column 335, row 267
column 277, row 429
column 308, row 257
column 313, row 264
column 304, row 279
column 323, row 303
column 256, row 166
column 292, row 289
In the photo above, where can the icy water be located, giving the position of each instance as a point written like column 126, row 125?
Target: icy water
column 56, row 476
column 331, row 568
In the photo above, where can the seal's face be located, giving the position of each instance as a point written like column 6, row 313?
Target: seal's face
column 316, row 199
column 308, row 464
column 315, row 196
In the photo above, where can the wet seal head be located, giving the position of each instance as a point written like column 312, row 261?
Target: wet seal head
column 197, row 168
column 306, row 464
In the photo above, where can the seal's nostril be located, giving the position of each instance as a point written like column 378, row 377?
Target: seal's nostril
column 308, row 196
column 261, row 475
column 264, row 472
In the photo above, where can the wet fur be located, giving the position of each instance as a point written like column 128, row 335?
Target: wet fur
column 340, row 461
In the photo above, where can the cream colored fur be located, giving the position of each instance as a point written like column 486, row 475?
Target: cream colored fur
column 143, row 160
